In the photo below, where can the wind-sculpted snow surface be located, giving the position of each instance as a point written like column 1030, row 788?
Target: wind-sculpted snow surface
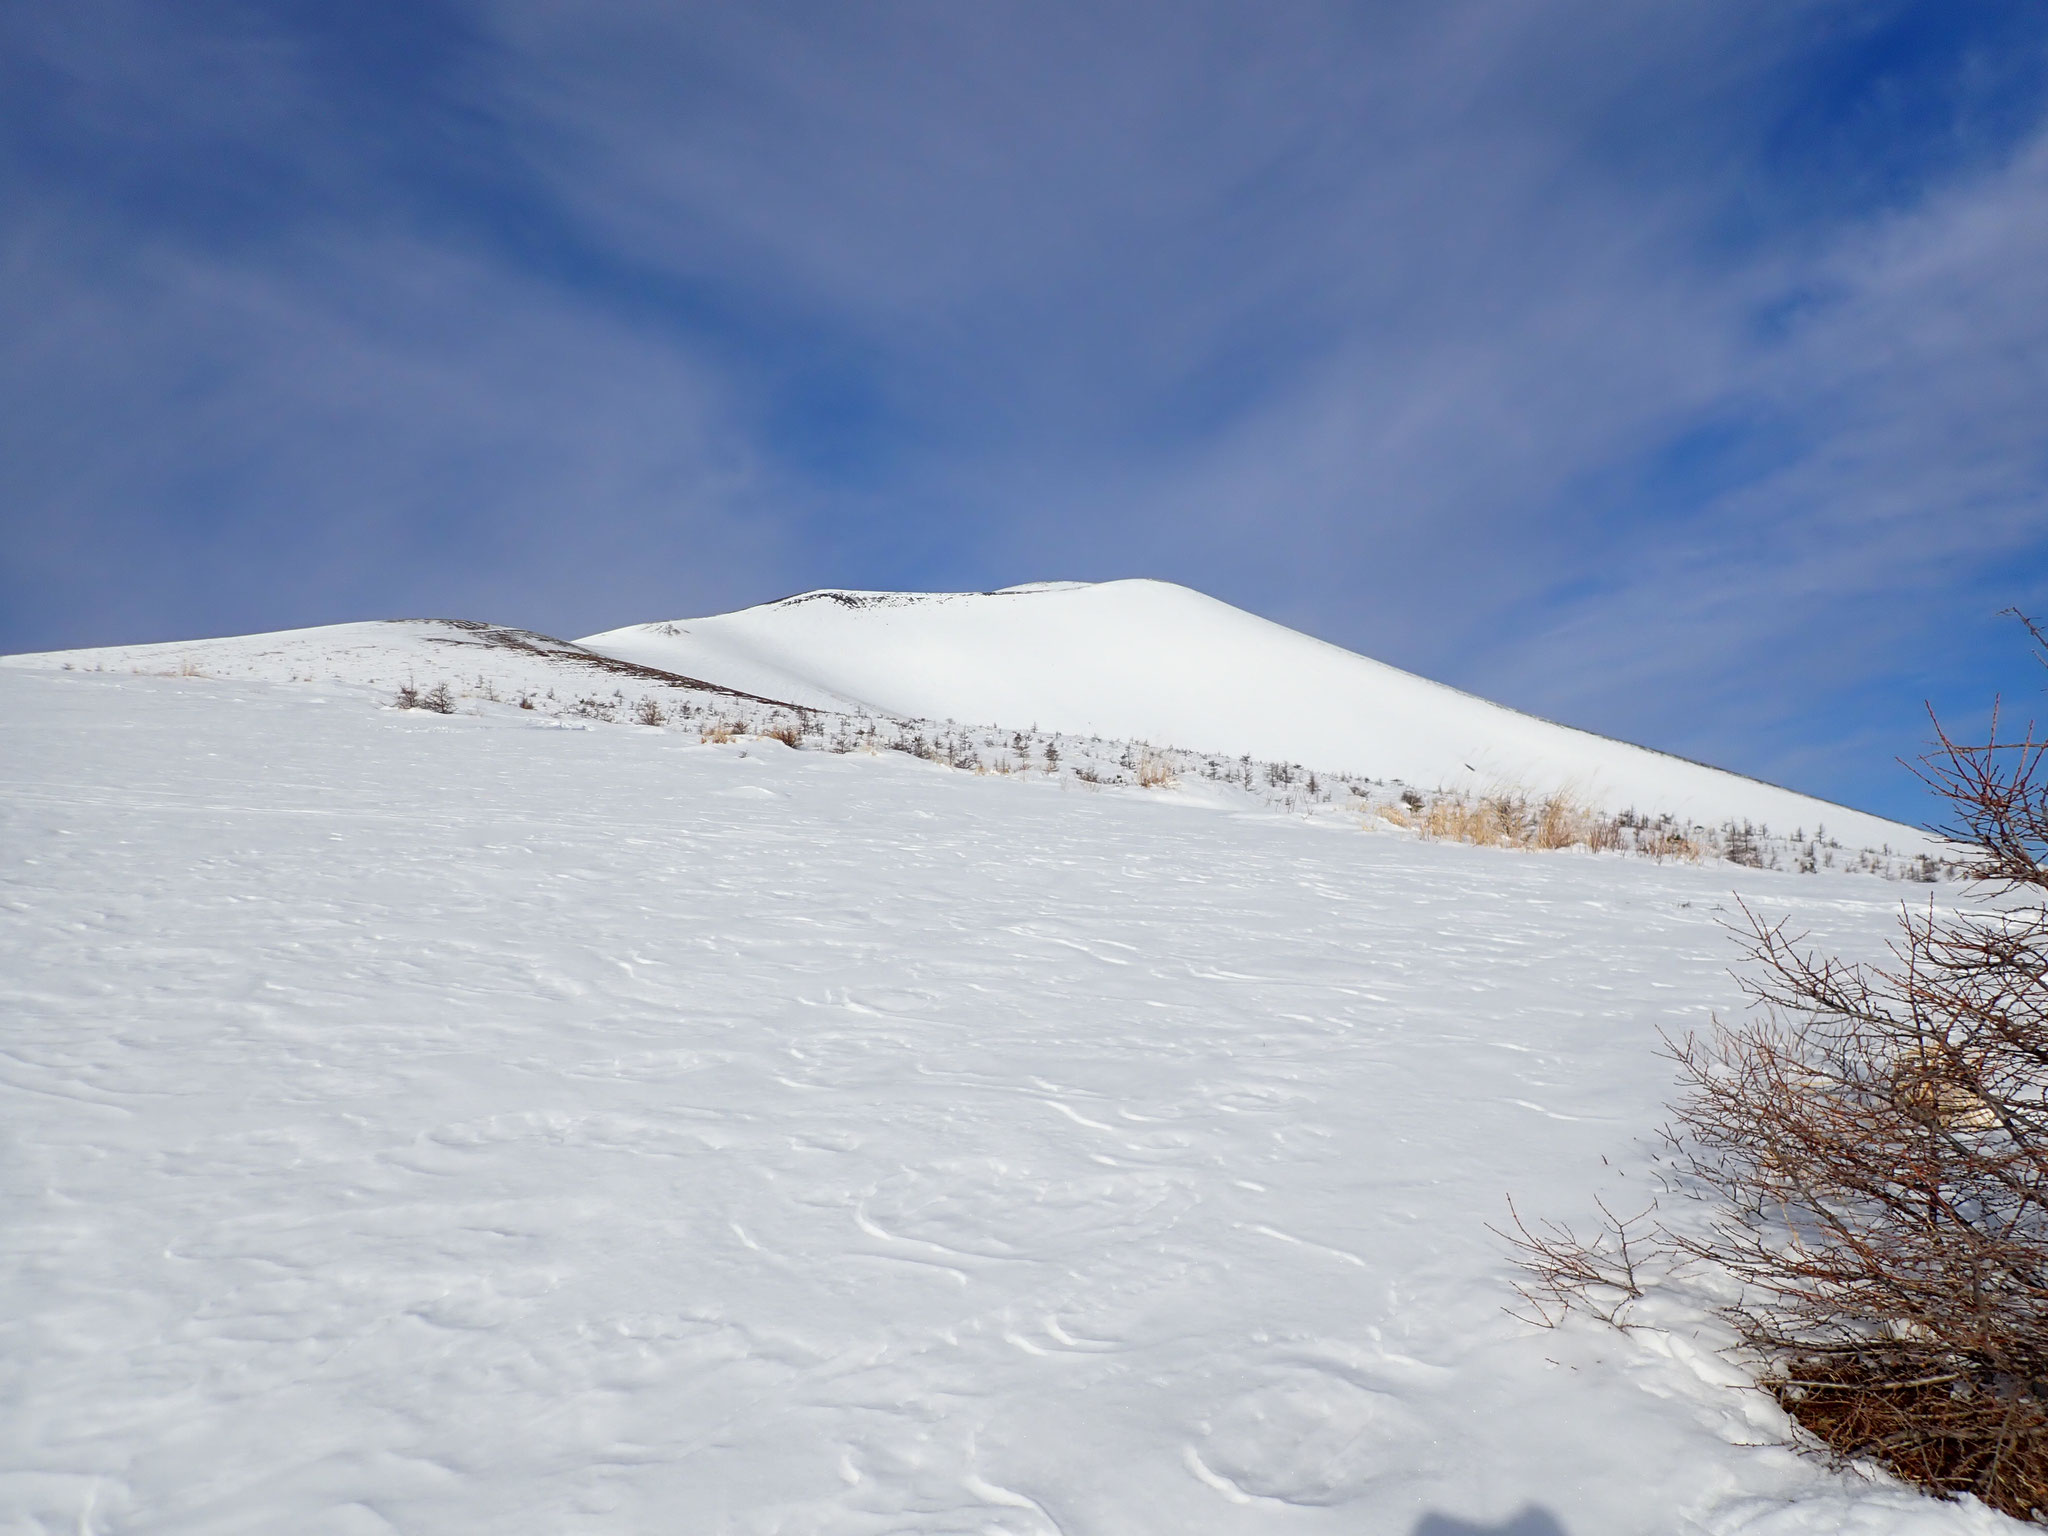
column 1161, row 663
column 449, row 1125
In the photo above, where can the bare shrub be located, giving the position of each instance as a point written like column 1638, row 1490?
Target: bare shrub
column 407, row 697
column 1878, row 1138
column 1739, row 846
column 438, row 699
column 1602, row 1275
column 648, row 712
column 1877, row 1141
column 1872, row 1141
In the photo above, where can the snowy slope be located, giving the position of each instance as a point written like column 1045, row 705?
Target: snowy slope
column 449, row 1125
column 1158, row 662
column 383, row 653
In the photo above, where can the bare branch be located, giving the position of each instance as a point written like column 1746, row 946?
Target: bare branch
column 1872, row 1141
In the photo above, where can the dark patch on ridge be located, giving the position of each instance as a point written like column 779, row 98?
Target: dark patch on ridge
column 533, row 643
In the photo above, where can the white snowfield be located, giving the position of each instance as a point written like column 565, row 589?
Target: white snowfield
column 480, row 660
column 450, row 1125
column 1162, row 663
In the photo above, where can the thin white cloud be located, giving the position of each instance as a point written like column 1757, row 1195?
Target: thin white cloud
column 1920, row 477
column 368, row 428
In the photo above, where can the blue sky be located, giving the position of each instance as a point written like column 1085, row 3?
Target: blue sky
column 1677, row 371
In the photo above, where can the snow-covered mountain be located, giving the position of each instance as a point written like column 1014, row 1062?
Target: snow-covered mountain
column 1152, row 661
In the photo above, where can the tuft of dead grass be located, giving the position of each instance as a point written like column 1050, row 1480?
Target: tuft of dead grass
column 1509, row 819
column 1155, row 772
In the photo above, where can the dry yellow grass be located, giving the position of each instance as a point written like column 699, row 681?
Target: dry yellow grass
column 718, row 731
column 1926, row 1084
column 1509, row 819
column 1155, row 773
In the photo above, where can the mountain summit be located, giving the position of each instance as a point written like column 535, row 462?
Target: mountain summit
column 1159, row 662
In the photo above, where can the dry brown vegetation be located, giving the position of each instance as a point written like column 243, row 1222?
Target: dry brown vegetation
column 1602, row 1275
column 1871, row 1142
column 1155, row 772
column 1877, row 1139
column 1507, row 820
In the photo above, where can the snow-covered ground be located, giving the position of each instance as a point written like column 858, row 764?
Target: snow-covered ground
column 461, row 1124
column 477, row 661
column 1156, row 662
